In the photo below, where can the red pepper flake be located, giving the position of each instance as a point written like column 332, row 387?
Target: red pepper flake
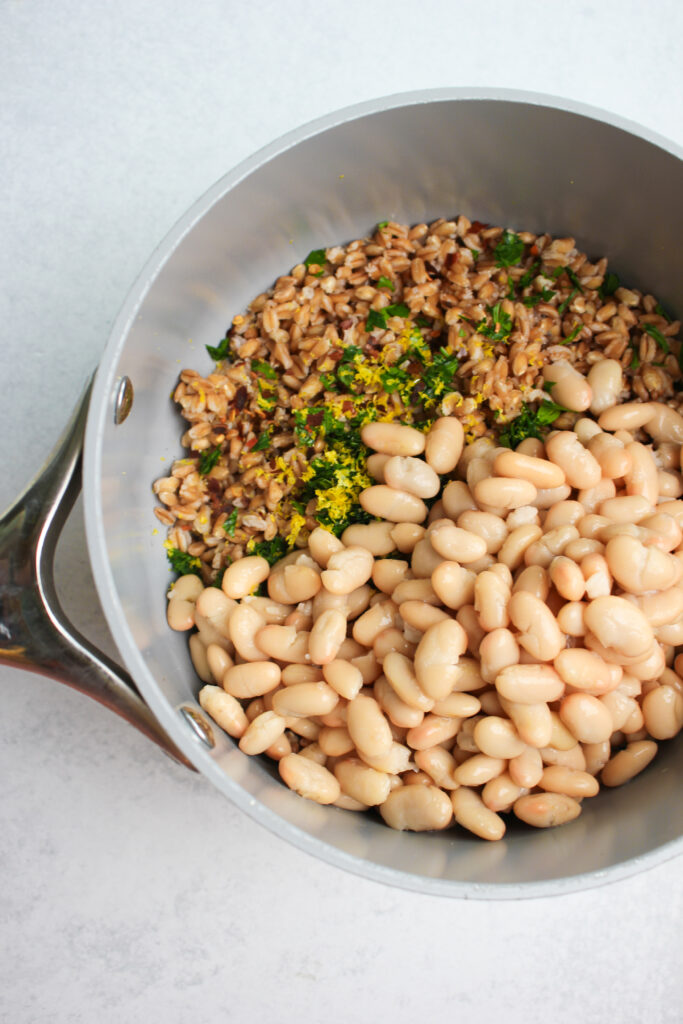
column 250, row 443
column 477, row 226
column 534, row 250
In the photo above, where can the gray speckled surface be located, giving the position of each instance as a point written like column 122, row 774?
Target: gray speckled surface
column 131, row 890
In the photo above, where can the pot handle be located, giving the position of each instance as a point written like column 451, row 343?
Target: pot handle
column 35, row 634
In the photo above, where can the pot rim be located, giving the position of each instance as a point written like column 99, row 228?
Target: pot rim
column 101, row 409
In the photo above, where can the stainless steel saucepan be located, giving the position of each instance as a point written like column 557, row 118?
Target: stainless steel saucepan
column 508, row 158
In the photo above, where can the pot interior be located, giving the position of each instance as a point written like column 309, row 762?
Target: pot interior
column 515, row 162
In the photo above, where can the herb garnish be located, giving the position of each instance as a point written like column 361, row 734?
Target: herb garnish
column 208, row 459
column 609, row 285
column 573, row 278
column 563, row 305
column 345, row 369
column 438, row 376
column 230, row 523
column 509, row 250
column 221, row 351
column 263, row 442
column 221, row 573
column 382, row 224
column 573, row 336
column 263, row 369
column 499, row 329
column 272, row 550
column 529, row 423
column 545, row 295
column 379, row 317
column 316, row 258
column 528, row 275
column 658, row 336
column 385, row 282
column 183, row 563
column 659, row 309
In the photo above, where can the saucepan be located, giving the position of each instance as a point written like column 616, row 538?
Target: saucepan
column 516, row 159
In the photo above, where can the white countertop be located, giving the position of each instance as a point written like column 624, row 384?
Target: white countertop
column 131, row 890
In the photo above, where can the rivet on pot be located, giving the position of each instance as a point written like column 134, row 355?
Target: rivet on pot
column 123, row 401
column 199, row 725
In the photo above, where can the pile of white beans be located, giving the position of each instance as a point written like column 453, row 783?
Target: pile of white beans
column 507, row 650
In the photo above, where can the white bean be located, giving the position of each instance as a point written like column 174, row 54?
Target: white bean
column 393, row 439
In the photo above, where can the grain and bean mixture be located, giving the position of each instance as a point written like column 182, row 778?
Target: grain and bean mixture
column 453, row 318
column 430, row 531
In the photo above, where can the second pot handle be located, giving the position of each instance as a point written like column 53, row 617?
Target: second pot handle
column 35, row 633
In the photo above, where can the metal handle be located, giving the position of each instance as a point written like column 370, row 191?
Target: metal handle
column 35, row 634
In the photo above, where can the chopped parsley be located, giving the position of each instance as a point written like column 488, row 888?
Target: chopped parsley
column 439, row 375
column 658, row 336
column 182, row 563
column 335, row 477
column 393, row 378
column 635, row 358
column 264, row 369
column 529, row 423
column 573, row 336
column 422, row 321
column 397, row 309
column 545, row 295
column 509, row 250
column 382, row 224
column 379, row 317
column 570, row 298
column 230, row 523
column 528, row 275
column 208, row 459
column 221, row 351
column 316, row 258
column 609, row 285
column 548, row 412
column 573, row 278
column 346, row 372
column 659, row 309
column 272, row 550
column 475, row 254
column 305, row 436
column 221, row 573
column 263, row 443
column 375, row 319
column 500, row 327
column 385, row 282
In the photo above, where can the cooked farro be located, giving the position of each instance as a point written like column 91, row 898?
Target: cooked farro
column 451, row 318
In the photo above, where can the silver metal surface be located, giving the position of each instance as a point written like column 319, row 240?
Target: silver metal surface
column 34, row 632
column 123, row 401
column 521, row 160
column 198, row 724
